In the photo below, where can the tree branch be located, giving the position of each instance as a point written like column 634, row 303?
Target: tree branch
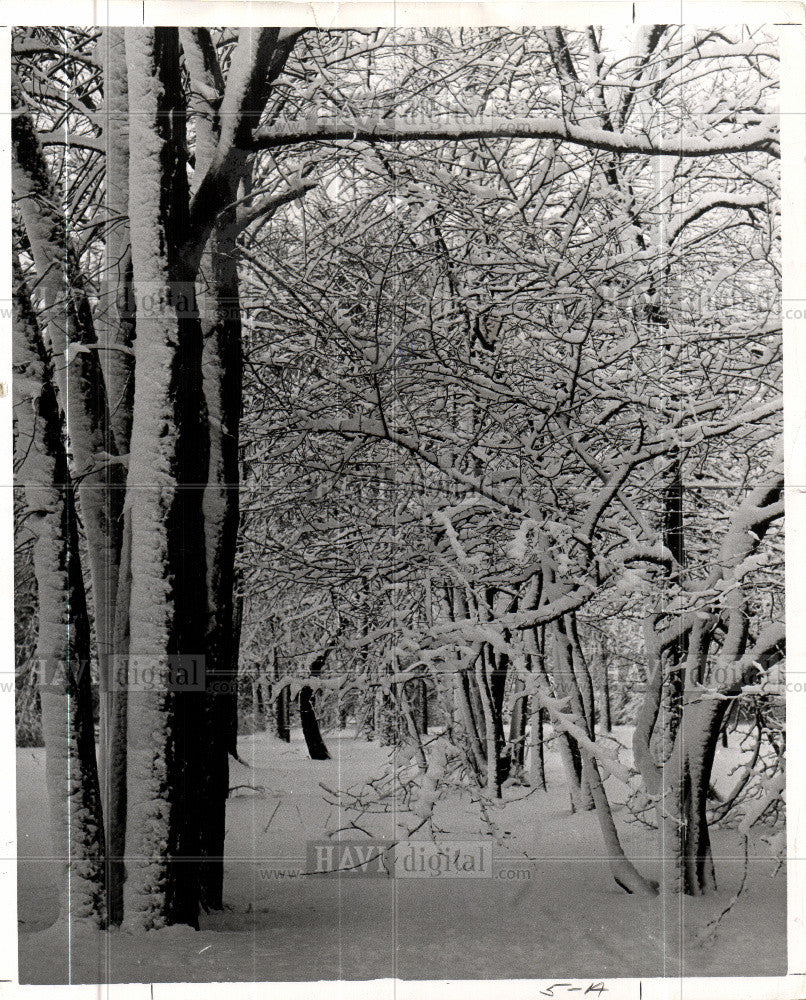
column 757, row 138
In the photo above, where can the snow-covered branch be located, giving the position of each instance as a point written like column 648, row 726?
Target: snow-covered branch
column 757, row 138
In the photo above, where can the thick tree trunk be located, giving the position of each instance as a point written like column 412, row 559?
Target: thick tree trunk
column 582, row 674
column 219, row 307
column 572, row 765
column 168, row 610
column 673, row 533
column 671, row 813
column 221, row 368
column 116, row 313
column 63, row 643
column 477, row 709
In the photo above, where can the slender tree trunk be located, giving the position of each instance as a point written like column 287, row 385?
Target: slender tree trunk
column 624, row 872
column 81, row 390
column 63, row 642
column 282, row 703
column 118, row 733
column 79, row 380
column 474, row 748
column 584, row 682
column 307, row 715
column 424, row 718
column 385, row 721
column 419, row 705
column 517, row 734
column 537, row 766
column 565, row 682
column 604, row 674
column 491, row 750
column 535, row 639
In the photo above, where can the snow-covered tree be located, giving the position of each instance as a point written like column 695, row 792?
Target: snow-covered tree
column 443, row 277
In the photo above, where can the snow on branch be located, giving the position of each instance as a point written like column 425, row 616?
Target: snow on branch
column 59, row 137
column 756, row 138
column 265, row 209
column 717, row 199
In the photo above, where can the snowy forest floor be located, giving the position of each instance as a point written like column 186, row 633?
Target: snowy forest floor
column 551, row 909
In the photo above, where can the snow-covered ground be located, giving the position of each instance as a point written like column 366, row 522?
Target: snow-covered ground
column 550, row 909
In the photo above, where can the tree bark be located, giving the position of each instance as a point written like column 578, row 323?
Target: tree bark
column 116, row 313
column 79, row 379
column 168, row 611
column 63, row 641
column 221, row 370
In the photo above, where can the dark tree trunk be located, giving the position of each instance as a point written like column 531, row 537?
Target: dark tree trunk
column 221, row 370
column 700, row 736
column 307, row 714
column 386, row 725
column 474, row 700
column 498, row 683
column 344, row 714
column 424, row 720
column 517, row 735
column 282, row 706
column 419, row 705
column 116, row 327
column 537, row 767
column 607, row 713
column 537, row 665
column 258, row 705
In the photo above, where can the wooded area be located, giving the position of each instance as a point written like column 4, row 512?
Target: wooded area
column 421, row 383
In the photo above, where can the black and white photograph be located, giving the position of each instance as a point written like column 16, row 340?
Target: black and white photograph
column 398, row 500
